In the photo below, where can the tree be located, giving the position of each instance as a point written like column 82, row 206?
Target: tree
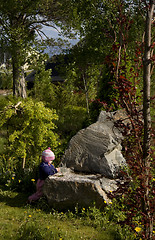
column 139, row 191
column 146, row 115
column 84, row 72
column 19, row 22
column 105, row 26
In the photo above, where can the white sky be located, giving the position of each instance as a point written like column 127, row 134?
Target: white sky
column 50, row 32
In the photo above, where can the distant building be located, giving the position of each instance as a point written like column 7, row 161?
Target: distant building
column 5, row 56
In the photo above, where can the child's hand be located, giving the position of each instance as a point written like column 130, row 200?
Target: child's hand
column 58, row 169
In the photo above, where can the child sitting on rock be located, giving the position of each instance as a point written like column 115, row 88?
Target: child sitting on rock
column 45, row 169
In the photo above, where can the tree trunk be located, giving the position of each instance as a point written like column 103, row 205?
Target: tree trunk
column 147, row 118
column 86, row 92
column 19, row 85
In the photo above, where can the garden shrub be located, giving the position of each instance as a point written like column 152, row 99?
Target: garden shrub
column 69, row 105
column 71, row 119
column 29, row 129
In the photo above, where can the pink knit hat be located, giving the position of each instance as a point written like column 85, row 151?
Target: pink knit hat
column 48, row 155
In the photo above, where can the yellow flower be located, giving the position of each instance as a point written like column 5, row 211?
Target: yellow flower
column 60, row 238
column 30, row 216
column 48, row 227
column 33, row 180
column 105, row 202
column 110, row 202
column 62, row 213
column 153, row 179
column 13, row 178
column 83, row 209
column 153, row 231
column 138, row 229
column 19, row 180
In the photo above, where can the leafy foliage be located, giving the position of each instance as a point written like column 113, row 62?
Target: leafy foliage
column 138, row 181
column 30, row 129
column 63, row 97
column 5, row 80
column 112, row 33
column 20, row 24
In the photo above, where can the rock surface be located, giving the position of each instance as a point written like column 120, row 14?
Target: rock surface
column 96, row 149
column 90, row 166
column 67, row 189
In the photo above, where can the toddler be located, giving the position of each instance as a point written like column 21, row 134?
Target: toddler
column 45, row 169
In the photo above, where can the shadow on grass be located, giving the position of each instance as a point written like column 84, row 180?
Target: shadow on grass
column 19, row 199
column 11, row 198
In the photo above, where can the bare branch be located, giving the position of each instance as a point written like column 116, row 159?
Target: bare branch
column 39, row 33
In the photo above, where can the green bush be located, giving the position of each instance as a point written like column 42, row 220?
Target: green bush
column 71, row 119
column 29, row 129
column 69, row 105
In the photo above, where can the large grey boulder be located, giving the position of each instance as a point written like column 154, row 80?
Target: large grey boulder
column 97, row 148
column 67, row 189
column 90, row 166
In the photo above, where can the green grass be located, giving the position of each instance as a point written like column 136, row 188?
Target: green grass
column 18, row 220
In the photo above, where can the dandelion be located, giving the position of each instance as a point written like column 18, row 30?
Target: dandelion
column 110, row 202
column 48, row 227
column 19, row 180
column 30, row 216
column 33, row 180
column 153, row 179
column 138, row 229
column 60, row 238
column 83, row 209
column 13, row 178
column 62, row 213
column 105, row 202
column 153, row 231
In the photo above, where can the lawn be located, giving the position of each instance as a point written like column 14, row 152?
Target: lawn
column 18, row 220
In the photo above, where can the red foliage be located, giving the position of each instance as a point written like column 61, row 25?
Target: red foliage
column 135, row 180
